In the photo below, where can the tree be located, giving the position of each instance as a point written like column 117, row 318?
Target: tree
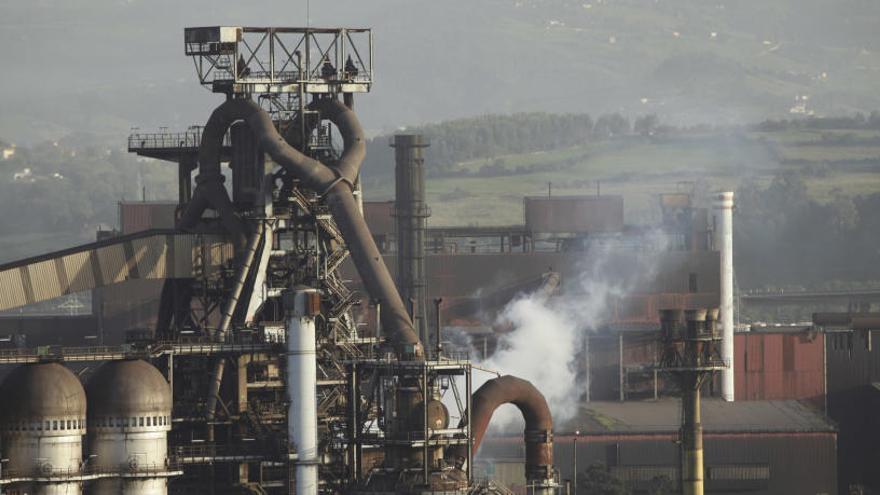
column 662, row 485
column 646, row 125
column 874, row 120
column 597, row 480
column 611, row 125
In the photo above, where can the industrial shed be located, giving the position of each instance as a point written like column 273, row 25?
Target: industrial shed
column 755, row 447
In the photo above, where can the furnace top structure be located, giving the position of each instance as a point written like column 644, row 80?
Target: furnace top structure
column 282, row 60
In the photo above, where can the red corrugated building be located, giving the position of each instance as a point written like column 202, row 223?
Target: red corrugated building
column 769, row 365
column 780, row 365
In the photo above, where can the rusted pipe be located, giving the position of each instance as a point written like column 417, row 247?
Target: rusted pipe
column 538, row 434
column 336, row 182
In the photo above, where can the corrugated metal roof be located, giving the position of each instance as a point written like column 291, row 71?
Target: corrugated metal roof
column 718, row 416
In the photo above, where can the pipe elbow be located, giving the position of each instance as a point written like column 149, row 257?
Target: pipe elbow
column 354, row 142
column 538, row 434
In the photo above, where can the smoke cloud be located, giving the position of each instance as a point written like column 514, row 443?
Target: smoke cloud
column 547, row 332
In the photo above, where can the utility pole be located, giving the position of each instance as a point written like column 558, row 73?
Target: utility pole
column 574, row 463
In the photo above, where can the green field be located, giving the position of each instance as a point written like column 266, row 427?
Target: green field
column 641, row 168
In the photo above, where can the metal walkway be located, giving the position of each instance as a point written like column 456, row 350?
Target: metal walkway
column 115, row 353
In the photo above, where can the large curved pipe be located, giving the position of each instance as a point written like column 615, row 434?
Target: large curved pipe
column 336, row 182
column 538, row 433
column 354, row 144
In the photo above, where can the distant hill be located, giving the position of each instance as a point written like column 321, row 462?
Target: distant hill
column 102, row 66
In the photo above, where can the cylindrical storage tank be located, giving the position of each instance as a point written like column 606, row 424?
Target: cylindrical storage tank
column 129, row 420
column 42, row 421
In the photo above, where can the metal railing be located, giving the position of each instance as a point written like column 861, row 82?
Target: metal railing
column 199, row 454
column 201, row 346
column 189, row 139
column 47, row 473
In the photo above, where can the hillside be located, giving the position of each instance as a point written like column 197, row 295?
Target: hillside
column 483, row 181
column 103, row 66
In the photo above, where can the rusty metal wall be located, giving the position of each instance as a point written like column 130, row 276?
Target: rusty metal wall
column 769, row 365
column 474, row 281
column 779, row 365
column 573, row 214
column 380, row 217
column 140, row 216
column 854, row 404
column 464, row 275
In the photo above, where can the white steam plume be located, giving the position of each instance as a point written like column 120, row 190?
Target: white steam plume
column 548, row 332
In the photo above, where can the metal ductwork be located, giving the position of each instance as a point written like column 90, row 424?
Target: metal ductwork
column 538, row 434
column 317, row 176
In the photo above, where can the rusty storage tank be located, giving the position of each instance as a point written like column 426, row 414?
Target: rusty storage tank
column 129, row 420
column 42, row 422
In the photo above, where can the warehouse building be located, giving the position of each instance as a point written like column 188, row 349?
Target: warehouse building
column 755, row 447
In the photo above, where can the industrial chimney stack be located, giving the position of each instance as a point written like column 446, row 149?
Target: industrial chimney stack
column 412, row 213
column 723, row 216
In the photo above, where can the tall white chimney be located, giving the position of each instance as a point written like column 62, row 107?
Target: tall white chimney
column 302, row 304
column 723, row 216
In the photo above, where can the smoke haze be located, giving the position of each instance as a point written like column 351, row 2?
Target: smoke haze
column 547, row 332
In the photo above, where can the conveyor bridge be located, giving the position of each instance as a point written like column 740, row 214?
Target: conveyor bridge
column 151, row 254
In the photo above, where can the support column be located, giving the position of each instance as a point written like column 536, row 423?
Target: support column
column 186, row 164
column 302, row 304
column 692, row 442
column 723, row 213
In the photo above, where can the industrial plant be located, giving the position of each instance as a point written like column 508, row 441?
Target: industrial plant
column 274, row 332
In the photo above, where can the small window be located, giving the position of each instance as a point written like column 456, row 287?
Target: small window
column 47, row 425
column 692, row 283
column 54, row 424
column 849, row 341
column 141, row 421
column 155, row 419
